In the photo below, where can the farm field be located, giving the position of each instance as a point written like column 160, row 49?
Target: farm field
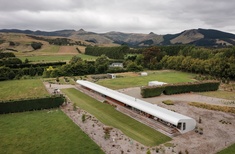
column 17, row 89
column 228, row 150
column 46, row 131
column 136, row 81
column 111, row 117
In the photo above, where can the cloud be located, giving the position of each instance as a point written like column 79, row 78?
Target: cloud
column 161, row 17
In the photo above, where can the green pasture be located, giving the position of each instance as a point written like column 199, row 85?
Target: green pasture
column 111, row 117
column 228, row 150
column 136, row 81
column 47, row 131
column 17, row 89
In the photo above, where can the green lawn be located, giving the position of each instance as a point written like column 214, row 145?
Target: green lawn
column 51, row 58
column 17, row 89
column 229, row 150
column 109, row 116
column 220, row 94
column 163, row 76
column 43, row 132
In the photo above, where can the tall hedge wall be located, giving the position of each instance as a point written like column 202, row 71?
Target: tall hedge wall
column 169, row 89
column 31, row 104
column 152, row 91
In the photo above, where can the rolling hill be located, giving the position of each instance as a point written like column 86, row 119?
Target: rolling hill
column 198, row 37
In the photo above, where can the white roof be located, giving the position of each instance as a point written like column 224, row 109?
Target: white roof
column 154, row 110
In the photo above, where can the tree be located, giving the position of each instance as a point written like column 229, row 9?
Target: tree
column 36, row 45
column 132, row 66
column 26, row 61
column 101, row 64
column 75, row 59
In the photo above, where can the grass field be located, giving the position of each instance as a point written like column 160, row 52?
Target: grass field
column 22, row 89
column 229, row 150
column 109, row 116
column 43, row 132
column 136, row 81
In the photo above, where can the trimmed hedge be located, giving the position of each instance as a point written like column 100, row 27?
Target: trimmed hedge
column 31, row 104
column 169, row 89
column 151, row 91
column 191, row 87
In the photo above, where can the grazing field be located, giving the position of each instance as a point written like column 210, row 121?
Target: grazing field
column 229, row 150
column 111, row 117
column 47, row 131
column 220, row 94
column 17, row 89
column 136, row 81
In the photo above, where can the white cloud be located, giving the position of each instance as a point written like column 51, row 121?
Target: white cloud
column 160, row 17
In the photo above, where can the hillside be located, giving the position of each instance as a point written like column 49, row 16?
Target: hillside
column 198, row 37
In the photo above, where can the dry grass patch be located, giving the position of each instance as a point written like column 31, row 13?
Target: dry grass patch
column 213, row 107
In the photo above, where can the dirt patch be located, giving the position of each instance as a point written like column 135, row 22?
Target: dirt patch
column 68, row 50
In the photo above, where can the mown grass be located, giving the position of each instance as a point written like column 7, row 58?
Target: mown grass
column 109, row 116
column 43, row 132
column 136, row 81
column 213, row 107
column 18, row 89
column 228, row 150
column 220, row 94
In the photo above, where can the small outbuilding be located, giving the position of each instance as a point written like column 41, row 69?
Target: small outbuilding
column 156, row 83
column 143, row 73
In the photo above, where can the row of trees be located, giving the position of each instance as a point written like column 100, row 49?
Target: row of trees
column 110, row 52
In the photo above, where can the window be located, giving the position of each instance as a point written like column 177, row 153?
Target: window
column 179, row 125
column 184, row 126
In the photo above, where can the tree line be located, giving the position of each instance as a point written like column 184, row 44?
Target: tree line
column 111, row 52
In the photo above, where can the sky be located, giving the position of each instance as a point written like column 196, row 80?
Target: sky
column 132, row 16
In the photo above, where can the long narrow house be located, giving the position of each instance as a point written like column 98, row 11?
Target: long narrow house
column 181, row 122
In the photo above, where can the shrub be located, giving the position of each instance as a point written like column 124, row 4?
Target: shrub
column 83, row 118
column 168, row 102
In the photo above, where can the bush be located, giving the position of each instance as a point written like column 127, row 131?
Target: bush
column 31, row 104
column 168, row 102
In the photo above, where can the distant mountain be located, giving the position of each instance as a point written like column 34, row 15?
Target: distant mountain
column 199, row 37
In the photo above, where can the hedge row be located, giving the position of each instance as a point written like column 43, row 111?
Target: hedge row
column 31, row 104
column 169, row 89
column 151, row 91
column 46, row 64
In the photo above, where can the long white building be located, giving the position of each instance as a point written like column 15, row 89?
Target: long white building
column 181, row 122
